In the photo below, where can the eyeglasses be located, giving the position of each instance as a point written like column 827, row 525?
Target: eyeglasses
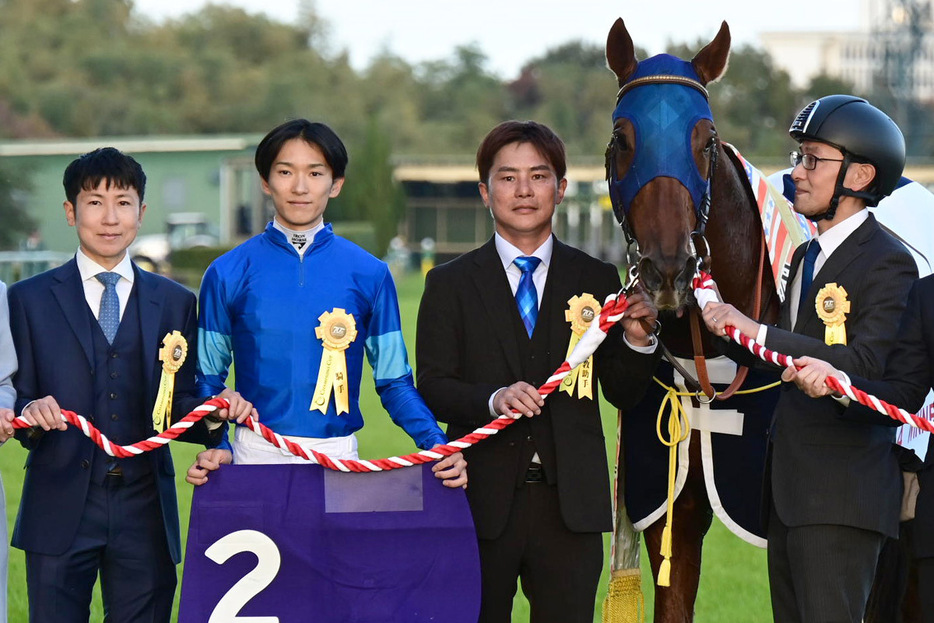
column 809, row 161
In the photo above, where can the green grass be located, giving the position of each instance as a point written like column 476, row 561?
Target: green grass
column 734, row 585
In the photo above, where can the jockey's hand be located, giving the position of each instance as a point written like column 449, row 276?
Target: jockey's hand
column 6, row 424
column 46, row 414
column 239, row 409
column 718, row 316
column 640, row 318
column 207, row 461
column 812, row 376
column 519, row 396
column 452, row 470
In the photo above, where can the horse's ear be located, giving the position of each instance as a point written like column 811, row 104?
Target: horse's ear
column 710, row 63
column 620, row 53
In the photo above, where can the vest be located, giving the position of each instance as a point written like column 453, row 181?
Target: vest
column 121, row 409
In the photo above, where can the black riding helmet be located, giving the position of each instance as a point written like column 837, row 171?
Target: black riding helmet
column 864, row 134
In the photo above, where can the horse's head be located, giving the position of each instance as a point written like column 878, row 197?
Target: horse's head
column 661, row 159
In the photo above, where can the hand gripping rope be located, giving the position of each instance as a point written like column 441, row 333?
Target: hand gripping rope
column 613, row 310
column 703, row 289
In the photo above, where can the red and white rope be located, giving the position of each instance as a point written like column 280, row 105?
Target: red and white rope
column 613, row 310
column 703, row 286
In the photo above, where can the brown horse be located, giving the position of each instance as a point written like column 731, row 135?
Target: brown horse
column 684, row 202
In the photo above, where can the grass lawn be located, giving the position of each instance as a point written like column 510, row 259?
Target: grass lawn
column 734, row 586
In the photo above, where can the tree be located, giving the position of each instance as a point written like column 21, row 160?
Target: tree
column 371, row 192
column 16, row 221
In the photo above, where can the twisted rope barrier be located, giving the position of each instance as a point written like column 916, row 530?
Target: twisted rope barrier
column 612, row 312
column 703, row 288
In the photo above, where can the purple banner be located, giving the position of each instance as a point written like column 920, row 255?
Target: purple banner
column 299, row 543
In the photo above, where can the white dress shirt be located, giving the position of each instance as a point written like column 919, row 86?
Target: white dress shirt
column 94, row 289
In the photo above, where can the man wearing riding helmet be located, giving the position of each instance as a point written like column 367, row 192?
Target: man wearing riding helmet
column 834, row 481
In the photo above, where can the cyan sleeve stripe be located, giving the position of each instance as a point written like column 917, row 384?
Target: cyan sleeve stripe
column 214, row 353
column 386, row 354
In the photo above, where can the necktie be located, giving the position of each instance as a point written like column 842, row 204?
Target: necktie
column 526, row 295
column 109, row 315
column 807, row 275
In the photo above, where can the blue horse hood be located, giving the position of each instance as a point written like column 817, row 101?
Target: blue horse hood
column 663, row 116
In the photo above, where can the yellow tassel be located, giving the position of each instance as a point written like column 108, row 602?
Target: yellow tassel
column 624, row 601
column 664, row 573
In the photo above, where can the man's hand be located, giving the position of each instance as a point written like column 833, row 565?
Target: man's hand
column 812, row 376
column 239, row 409
column 452, row 470
column 207, row 461
column 6, row 424
column 519, row 396
column 640, row 319
column 46, row 414
column 717, row 316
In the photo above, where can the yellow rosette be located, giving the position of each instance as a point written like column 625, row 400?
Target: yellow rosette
column 832, row 307
column 581, row 312
column 172, row 355
column 336, row 331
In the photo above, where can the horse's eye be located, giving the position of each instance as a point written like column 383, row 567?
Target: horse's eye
column 621, row 142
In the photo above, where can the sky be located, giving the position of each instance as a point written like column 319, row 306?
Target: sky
column 511, row 32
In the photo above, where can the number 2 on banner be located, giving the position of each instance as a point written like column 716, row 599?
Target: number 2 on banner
column 250, row 585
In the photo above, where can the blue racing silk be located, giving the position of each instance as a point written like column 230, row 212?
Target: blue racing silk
column 259, row 307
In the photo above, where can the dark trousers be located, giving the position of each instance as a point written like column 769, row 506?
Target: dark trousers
column 559, row 569
column 926, row 588
column 820, row 573
column 122, row 537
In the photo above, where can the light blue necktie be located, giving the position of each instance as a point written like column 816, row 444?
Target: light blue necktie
column 526, row 295
column 807, row 275
column 109, row 315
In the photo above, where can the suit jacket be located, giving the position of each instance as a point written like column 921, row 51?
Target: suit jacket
column 909, row 373
column 471, row 342
column 826, row 469
column 51, row 330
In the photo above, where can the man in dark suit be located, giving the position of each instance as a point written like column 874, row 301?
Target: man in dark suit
column 835, row 485
column 909, row 373
column 491, row 329
column 87, row 336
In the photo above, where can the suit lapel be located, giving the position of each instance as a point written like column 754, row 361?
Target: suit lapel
column 562, row 273
column 496, row 296
column 150, row 315
column 830, row 271
column 69, row 294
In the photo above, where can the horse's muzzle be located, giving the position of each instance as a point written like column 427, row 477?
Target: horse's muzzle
column 668, row 283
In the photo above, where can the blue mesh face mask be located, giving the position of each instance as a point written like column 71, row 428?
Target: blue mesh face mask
column 663, row 117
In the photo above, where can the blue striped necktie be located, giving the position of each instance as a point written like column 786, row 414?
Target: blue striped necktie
column 109, row 315
column 807, row 274
column 526, row 295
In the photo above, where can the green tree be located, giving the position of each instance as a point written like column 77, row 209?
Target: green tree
column 16, row 221
column 371, row 192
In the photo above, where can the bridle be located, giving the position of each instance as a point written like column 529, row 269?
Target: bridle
column 700, row 250
column 622, row 192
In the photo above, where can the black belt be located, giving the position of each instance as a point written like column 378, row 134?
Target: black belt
column 535, row 473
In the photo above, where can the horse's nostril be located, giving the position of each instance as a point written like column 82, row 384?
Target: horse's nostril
column 683, row 280
column 650, row 276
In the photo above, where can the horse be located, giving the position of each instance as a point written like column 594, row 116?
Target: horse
column 683, row 200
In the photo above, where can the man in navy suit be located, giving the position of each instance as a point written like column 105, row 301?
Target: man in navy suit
column 833, row 485
column 87, row 336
